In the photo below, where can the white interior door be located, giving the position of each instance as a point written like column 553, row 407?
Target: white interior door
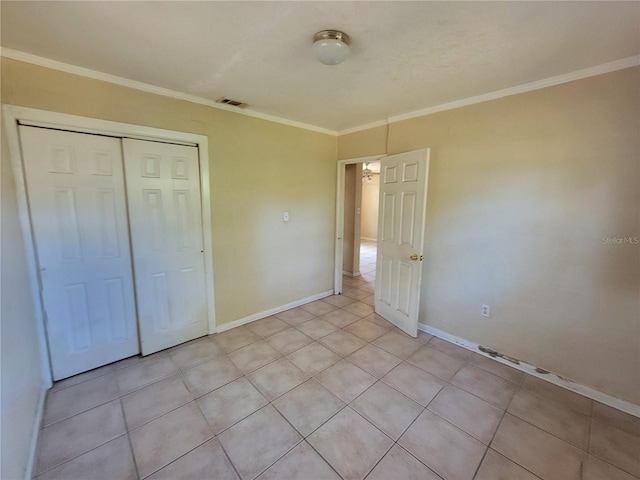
column 79, row 218
column 163, row 191
column 401, row 221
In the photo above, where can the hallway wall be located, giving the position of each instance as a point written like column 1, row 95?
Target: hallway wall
column 370, row 192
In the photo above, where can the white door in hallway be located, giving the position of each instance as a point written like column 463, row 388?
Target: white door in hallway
column 163, row 191
column 78, row 210
column 401, row 222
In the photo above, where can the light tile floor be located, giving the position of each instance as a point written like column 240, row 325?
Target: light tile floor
column 328, row 390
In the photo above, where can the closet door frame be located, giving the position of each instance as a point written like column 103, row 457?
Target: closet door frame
column 16, row 115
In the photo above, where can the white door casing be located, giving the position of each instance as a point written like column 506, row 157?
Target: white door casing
column 163, row 191
column 401, row 222
column 79, row 218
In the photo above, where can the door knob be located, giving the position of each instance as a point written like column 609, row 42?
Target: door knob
column 415, row 257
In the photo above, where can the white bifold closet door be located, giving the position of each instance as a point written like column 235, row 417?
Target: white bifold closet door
column 163, row 191
column 79, row 219
column 117, row 226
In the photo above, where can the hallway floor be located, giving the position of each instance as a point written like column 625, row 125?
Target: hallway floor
column 328, row 390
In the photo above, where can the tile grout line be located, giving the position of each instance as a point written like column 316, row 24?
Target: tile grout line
column 348, row 405
column 320, row 455
column 589, row 452
column 424, row 408
column 126, row 426
column 78, row 456
column 480, row 398
column 504, row 413
column 417, row 459
column 549, row 433
column 393, row 444
column 235, row 469
column 79, row 413
column 397, row 442
column 302, row 439
column 55, row 389
column 186, row 453
column 239, row 420
column 159, row 416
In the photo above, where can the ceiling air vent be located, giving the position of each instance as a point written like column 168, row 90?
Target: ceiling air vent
column 233, row 103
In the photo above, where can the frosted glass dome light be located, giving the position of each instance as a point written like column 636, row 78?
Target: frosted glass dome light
column 331, row 47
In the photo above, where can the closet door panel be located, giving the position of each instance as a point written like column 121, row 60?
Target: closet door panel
column 163, row 191
column 76, row 195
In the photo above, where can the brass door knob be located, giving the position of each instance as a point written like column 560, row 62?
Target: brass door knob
column 415, row 257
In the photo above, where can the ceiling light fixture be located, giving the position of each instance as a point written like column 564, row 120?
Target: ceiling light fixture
column 331, row 47
column 366, row 174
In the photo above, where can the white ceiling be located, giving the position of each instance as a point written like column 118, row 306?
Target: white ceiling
column 405, row 56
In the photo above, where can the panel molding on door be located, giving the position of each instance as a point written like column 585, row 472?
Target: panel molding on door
column 401, row 221
column 76, row 195
column 163, row 191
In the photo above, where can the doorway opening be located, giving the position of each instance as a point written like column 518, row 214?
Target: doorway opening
column 364, row 217
column 357, row 226
column 400, row 235
column 369, row 220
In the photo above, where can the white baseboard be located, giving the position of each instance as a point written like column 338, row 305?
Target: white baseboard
column 369, row 239
column 35, row 434
column 623, row 405
column 272, row 311
column 349, row 274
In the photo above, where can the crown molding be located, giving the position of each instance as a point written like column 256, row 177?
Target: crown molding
column 527, row 87
column 125, row 82
column 366, row 126
column 145, row 87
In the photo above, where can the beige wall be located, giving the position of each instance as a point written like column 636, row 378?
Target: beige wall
column 349, row 218
column 369, row 220
column 258, row 169
column 352, row 206
column 20, row 362
column 522, row 191
column 365, row 143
